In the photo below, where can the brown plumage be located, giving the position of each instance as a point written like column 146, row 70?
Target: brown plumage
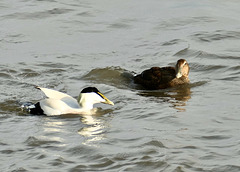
column 160, row 78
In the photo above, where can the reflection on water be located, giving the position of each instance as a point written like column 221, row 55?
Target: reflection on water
column 177, row 96
column 94, row 129
column 52, row 127
column 72, row 44
column 92, row 126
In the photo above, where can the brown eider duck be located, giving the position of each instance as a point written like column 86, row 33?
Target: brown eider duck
column 164, row 77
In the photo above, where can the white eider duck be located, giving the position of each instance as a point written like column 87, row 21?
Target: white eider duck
column 58, row 103
column 165, row 77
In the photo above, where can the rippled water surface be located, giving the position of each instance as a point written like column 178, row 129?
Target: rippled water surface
column 69, row 45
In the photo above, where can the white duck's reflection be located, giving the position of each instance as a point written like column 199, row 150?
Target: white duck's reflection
column 94, row 129
column 52, row 130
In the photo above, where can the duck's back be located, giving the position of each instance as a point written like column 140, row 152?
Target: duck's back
column 156, row 78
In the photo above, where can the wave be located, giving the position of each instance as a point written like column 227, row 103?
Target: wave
column 115, row 76
column 215, row 35
column 38, row 14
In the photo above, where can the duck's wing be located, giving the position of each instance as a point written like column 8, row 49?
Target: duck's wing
column 156, row 77
column 52, row 106
column 56, row 95
column 53, row 93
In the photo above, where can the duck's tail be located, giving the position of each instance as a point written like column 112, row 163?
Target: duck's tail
column 34, row 109
column 27, row 106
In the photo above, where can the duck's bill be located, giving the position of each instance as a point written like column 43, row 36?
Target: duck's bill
column 178, row 75
column 107, row 101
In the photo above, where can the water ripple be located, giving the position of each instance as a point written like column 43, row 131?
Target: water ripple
column 110, row 76
column 67, row 45
column 37, row 15
column 216, row 35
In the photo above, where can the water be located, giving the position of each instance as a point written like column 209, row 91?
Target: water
column 69, row 45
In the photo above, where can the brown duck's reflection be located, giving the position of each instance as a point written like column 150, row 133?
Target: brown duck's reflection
column 177, row 96
column 94, row 129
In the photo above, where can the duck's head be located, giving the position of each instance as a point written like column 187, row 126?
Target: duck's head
column 90, row 96
column 182, row 68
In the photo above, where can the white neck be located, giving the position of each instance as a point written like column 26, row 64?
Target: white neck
column 87, row 100
column 86, row 105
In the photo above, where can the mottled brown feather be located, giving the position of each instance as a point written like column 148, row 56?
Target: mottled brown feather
column 160, row 78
